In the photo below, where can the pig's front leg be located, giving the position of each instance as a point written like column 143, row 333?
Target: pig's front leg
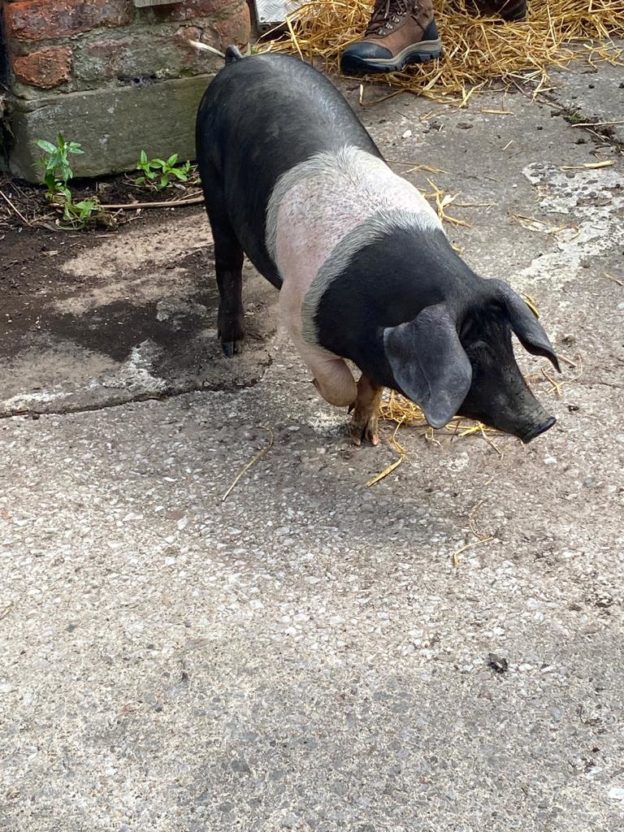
column 331, row 376
column 335, row 382
column 365, row 419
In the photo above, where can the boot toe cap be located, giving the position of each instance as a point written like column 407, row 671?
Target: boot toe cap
column 365, row 50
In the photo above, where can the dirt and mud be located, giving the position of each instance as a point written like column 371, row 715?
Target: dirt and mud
column 118, row 314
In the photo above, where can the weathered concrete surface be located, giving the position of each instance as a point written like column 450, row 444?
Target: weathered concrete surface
column 157, row 117
column 595, row 95
column 304, row 655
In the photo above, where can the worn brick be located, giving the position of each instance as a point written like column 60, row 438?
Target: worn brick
column 186, row 33
column 100, row 59
column 235, row 29
column 191, row 9
column 36, row 20
column 45, row 68
column 143, row 55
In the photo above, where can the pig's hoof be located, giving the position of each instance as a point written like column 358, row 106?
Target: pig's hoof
column 230, row 348
column 231, row 333
column 364, row 429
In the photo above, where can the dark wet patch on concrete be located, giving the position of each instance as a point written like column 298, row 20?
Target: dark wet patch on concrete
column 72, row 341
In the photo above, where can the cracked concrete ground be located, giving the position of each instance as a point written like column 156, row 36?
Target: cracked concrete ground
column 308, row 654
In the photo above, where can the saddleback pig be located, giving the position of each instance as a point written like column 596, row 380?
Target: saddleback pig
column 365, row 271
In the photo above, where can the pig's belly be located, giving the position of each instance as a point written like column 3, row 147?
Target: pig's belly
column 320, row 214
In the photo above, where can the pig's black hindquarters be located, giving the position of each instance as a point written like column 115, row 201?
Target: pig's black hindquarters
column 260, row 117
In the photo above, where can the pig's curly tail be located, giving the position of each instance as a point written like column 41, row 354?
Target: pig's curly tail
column 231, row 54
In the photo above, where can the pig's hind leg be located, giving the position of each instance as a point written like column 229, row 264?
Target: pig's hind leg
column 228, row 255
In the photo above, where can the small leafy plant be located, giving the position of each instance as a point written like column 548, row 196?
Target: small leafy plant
column 80, row 213
column 160, row 173
column 57, row 168
column 56, row 175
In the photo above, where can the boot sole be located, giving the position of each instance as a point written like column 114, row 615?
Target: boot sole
column 418, row 54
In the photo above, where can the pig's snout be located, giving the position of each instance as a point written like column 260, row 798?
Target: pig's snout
column 527, row 422
column 515, row 411
column 525, row 425
column 539, row 427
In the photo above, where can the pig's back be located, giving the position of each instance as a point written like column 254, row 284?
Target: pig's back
column 260, row 117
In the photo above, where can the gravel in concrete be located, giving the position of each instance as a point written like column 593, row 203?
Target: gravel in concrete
column 441, row 652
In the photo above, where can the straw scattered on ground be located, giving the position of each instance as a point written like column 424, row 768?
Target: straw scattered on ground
column 404, row 413
column 477, row 49
column 401, row 412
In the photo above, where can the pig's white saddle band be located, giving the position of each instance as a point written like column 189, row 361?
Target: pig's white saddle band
column 322, row 212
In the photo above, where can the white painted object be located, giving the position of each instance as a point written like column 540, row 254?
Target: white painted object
column 204, row 47
column 269, row 13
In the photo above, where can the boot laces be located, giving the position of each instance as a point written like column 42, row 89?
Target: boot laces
column 389, row 13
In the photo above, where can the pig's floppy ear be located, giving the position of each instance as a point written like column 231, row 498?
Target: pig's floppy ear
column 429, row 363
column 526, row 326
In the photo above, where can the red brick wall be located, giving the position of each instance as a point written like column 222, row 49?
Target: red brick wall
column 67, row 45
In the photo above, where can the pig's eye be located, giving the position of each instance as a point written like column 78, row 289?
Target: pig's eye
column 467, row 332
column 478, row 347
column 471, row 334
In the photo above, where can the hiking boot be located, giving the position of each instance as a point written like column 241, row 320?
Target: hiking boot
column 507, row 9
column 400, row 32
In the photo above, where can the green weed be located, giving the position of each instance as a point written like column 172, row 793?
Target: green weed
column 160, row 173
column 57, row 172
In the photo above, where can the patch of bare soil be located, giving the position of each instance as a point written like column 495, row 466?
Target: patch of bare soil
column 121, row 312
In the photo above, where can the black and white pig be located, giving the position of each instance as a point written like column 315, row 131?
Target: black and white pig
column 365, row 271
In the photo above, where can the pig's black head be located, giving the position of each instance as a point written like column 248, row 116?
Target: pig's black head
column 458, row 359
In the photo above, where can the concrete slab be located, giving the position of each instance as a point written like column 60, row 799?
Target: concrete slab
column 304, row 655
